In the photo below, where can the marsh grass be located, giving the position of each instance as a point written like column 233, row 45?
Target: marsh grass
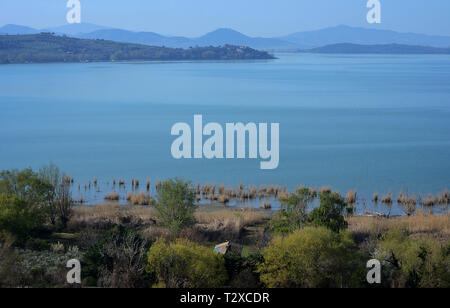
column 139, row 199
column 436, row 225
column 351, row 196
column 387, row 199
column 114, row 196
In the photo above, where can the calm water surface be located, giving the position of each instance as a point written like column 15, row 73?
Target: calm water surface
column 371, row 122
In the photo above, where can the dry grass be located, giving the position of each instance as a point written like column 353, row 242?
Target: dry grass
column 351, row 196
column 139, row 199
column 114, row 196
column 388, row 199
column 111, row 214
column 241, row 217
column 223, row 225
column 437, row 225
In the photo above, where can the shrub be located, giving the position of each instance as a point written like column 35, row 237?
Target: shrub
column 330, row 212
column 117, row 261
column 18, row 217
column 418, row 262
column 293, row 214
column 243, row 271
column 45, row 268
column 8, row 263
column 184, row 264
column 175, row 205
column 312, row 257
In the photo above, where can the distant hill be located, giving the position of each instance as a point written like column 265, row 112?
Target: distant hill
column 75, row 29
column 219, row 37
column 48, row 48
column 229, row 36
column 294, row 42
column 363, row 36
column 15, row 29
column 146, row 38
column 379, row 49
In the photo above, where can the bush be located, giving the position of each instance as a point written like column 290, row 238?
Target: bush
column 312, row 257
column 184, row 264
column 243, row 271
column 413, row 263
column 22, row 196
column 8, row 263
column 19, row 217
column 293, row 214
column 330, row 212
column 175, row 205
column 45, row 268
column 117, row 261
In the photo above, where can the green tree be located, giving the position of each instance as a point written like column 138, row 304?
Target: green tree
column 293, row 214
column 24, row 184
column 175, row 205
column 330, row 212
column 312, row 257
column 418, row 262
column 22, row 194
column 184, row 264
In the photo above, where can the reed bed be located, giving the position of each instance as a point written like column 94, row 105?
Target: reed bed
column 351, row 196
column 387, row 199
column 438, row 225
column 139, row 199
column 239, row 218
column 114, row 196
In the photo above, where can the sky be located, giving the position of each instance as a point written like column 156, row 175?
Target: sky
column 264, row 18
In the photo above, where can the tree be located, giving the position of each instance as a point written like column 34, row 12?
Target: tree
column 175, row 205
column 117, row 261
column 293, row 214
column 184, row 264
column 64, row 202
column 330, row 212
column 312, row 257
column 24, row 184
column 22, row 194
column 59, row 198
column 413, row 263
column 52, row 175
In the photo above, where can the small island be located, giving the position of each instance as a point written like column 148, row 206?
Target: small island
column 50, row 48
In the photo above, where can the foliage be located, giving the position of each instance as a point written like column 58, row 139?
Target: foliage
column 242, row 271
column 24, row 184
column 414, row 263
column 46, row 48
column 330, row 212
column 184, row 264
column 8, row 263
column 18, row 217
column 59, row 199
column 45, row 268
column 293, row 214
column 175, row 205
column 117, row 261
column 311, row 257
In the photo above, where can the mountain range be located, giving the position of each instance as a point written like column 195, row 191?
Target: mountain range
column 293, row 42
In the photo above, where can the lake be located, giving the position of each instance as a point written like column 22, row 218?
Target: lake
column 375, row 123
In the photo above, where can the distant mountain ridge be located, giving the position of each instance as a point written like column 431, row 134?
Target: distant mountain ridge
column 346, row 48
column 294, row 42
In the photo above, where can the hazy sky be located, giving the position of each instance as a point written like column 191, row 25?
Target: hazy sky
column 252, row 17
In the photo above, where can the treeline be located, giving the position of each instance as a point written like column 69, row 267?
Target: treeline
column 48, row 48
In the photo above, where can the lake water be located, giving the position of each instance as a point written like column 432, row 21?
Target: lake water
column 377, row 123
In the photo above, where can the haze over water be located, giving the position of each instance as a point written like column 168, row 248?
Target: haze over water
column 377, row 123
